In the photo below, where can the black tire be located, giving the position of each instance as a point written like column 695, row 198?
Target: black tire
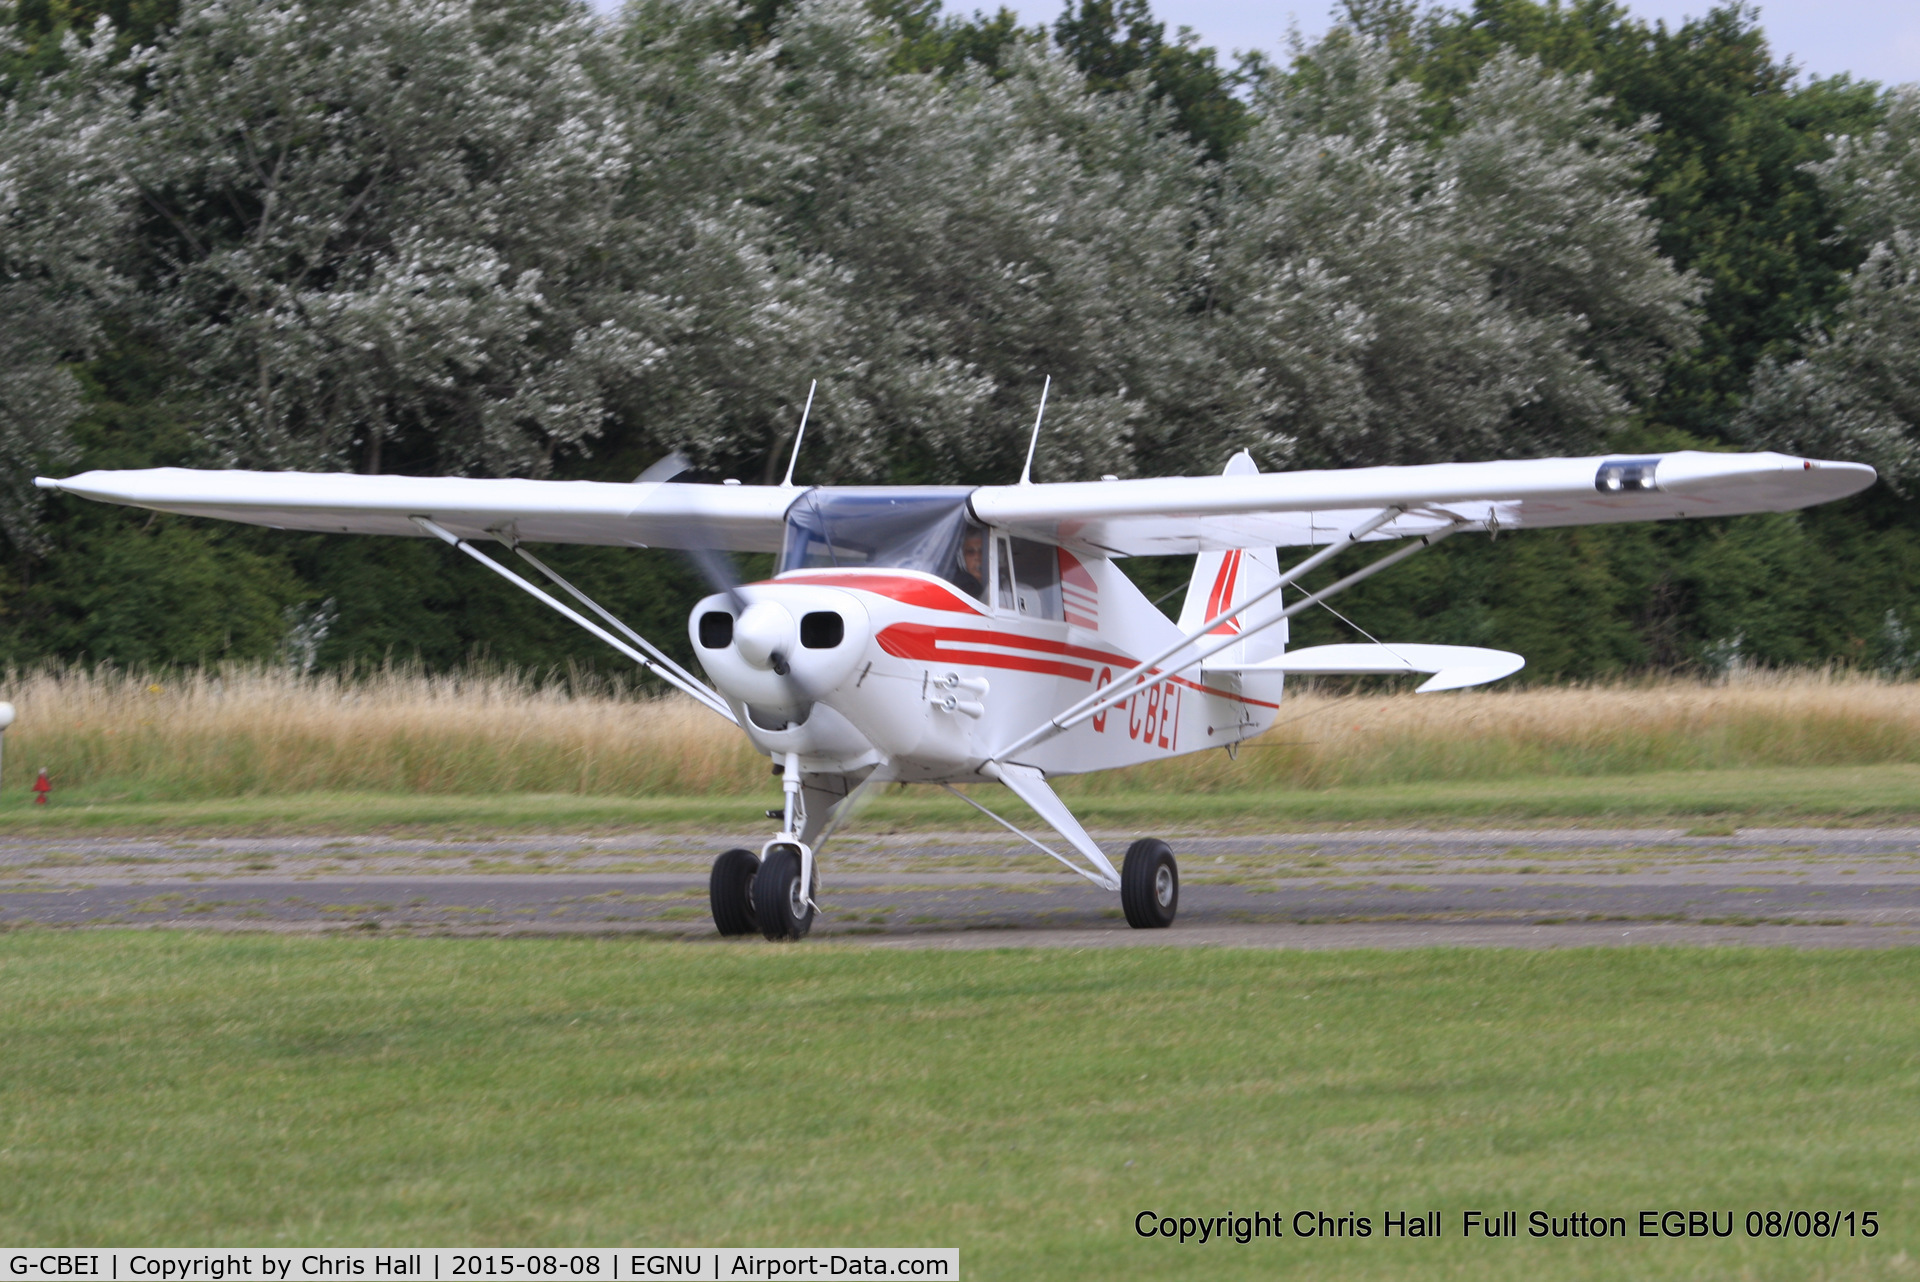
column 1149, row 885
column 730, row 888
column 782, row 910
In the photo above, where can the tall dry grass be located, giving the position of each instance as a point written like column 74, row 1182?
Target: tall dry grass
column 251, row 731
column 1323, row 740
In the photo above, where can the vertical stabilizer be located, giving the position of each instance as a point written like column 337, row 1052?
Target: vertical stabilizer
column 1222, row 580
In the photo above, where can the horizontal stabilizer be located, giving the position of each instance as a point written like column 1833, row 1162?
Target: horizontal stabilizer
column 1453, row 666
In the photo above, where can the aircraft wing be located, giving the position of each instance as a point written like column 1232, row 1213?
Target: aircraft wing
column 1155, row 517
column 737, row 518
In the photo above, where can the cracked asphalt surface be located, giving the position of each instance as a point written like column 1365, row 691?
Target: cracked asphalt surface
column 1827, row 887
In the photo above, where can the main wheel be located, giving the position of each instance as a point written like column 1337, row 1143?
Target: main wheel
column 779, row 901
column 1149, row 885
column 730, row 888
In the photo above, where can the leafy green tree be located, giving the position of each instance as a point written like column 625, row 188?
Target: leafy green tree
column 1379, row 298
column 949, row 242
column 1855, row 392
column 62, row 212
column 506, row 237
column 42, row 30
column 928, row 40
column 140, row 593
column 1732, row 133
column 365, row 227
column 951, row 44
column 1118, row 44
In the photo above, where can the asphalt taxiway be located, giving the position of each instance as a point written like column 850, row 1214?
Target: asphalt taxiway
column 1825, row 887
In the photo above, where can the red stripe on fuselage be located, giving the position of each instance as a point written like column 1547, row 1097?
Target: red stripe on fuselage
column 939, row 645
column 922, row 641
column 919, row 641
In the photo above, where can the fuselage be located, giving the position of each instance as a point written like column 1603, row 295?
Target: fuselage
column 909, row 667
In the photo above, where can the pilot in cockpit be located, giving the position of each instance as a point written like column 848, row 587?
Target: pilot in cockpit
column 969, row 574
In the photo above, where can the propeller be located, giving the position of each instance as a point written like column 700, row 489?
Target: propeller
column 714, row 566
column 763, row 630
column 665, row 468
column 718, row 570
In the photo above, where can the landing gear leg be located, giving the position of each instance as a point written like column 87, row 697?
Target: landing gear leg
column 783, row 887
column 1149, row 885
column 730, row 888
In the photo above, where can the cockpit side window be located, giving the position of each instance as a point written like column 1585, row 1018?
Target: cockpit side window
column 1027, row 578
column 1036, row 579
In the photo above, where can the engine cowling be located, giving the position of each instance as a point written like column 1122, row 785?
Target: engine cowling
column 791, row 646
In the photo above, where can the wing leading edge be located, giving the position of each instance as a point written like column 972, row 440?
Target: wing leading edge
column 1162, row 516
column 738, row 518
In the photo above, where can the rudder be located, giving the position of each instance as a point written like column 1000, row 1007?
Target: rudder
column 1222, row 580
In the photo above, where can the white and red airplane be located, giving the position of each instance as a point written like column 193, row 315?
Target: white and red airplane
column 949, row 635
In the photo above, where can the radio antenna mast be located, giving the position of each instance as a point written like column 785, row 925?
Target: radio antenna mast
column 800, row 435
column 1026, row 473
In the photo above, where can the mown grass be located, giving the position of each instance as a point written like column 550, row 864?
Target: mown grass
column 1022, row 1105
column 264, row 732
column 1887, row 794
column 1844, row 795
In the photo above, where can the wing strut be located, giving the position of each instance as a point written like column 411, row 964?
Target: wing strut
column 1112, row 693
column 694, row 689
column 1074, row 715
column 658, row 654
column 1031, row 787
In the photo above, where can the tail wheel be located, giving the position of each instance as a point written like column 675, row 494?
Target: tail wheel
column 779, row 901
column 1149, row 885
column 730, row 888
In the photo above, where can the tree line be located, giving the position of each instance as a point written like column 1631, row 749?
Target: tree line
column 512, row 237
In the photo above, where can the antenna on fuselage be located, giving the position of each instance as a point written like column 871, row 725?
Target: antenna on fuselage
column 800, row 435
column 1026, row 473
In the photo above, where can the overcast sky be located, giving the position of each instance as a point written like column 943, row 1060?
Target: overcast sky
column 1872, row 39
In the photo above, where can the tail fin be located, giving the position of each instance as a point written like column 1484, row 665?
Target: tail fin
column 1222, row 580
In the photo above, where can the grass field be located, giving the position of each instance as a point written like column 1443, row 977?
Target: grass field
column 1024, row 1106
column 1713, row 800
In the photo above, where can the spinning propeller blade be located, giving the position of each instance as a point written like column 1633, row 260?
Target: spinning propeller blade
column 665, row 468
column 718, row 569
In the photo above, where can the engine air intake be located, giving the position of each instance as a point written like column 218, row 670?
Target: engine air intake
column 716, row 629
column 822, row 630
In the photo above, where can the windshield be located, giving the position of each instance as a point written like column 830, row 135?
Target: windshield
column 923, row 528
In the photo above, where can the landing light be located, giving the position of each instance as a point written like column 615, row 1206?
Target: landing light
column 1627, row 475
